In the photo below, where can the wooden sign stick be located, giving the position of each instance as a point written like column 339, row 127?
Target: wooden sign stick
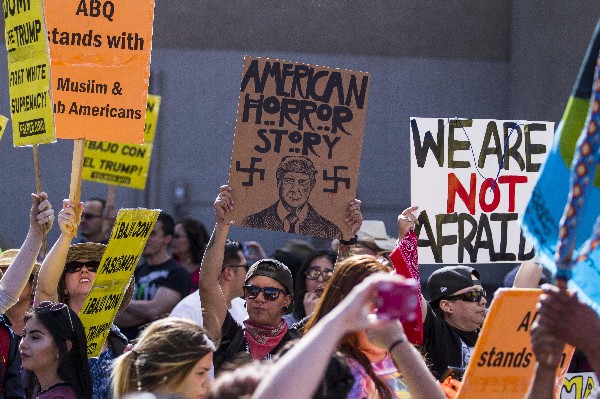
column 76, row 168
column 38, row 189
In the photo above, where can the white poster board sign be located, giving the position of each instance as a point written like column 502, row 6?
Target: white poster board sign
column 471, row 179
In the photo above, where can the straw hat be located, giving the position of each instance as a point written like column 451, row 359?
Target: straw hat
column 8, row 257
column 90, row 251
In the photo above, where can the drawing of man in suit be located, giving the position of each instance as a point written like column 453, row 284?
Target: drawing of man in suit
column 296, row 177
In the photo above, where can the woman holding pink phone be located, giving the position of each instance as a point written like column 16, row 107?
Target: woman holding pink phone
column 384, row 364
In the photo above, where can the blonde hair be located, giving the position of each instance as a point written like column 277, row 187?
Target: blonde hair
column 165, row 353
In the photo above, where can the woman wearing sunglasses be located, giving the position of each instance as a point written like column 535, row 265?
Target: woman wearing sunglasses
column 310, row 282
column 53, row 348
column 67, row 275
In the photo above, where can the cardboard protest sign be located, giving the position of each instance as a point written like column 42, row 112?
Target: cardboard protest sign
column 578, row 385
column 28, row 73
column 297, row 146
column 502, row 362
column 471, row 179
column 127, row 240
column 3, row 122
column 122, row 164
column 100, row 51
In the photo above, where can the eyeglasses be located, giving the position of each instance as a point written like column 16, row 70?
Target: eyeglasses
column 75, row 266
column 56, row 307
column 313, row 273
column 269, row 293
column 469, row 296
column 88, row 216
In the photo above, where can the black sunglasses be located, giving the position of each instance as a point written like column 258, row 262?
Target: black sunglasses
column 56, row 307
column 313, row 273
column 269, row 293
column 470, row 296
column 75, row 266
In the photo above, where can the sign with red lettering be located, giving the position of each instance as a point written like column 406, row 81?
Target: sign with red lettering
column 471, row 179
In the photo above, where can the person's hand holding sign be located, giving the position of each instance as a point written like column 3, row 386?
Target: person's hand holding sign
column 68, row 218
column 406, row 221
column 223, row 204
column 354, row 216
column 41, row 215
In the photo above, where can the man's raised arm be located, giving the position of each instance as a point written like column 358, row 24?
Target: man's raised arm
column 214, row 304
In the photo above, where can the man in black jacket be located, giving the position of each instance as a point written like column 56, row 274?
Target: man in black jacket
column 454, row 316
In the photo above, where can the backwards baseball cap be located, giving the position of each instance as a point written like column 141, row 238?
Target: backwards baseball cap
column 274, row 269
column 448, row 280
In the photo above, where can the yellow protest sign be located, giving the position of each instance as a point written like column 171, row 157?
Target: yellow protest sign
column 119, row 164
column 127, row 240
column 3, row 122
column 502, row 363
column 100, row 52
column 28, row 73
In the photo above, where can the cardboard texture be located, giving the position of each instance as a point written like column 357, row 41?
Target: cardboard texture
column 502, row 362
column 28, row 73
column 127, row 241
column 100, row 52
column 482, row 172
column 306, row 121
column 119, row 164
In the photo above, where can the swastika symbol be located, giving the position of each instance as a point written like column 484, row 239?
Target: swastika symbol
column 336, row 179
column 251, row 171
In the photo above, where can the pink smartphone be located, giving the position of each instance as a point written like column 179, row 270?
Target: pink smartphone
column 398, row 300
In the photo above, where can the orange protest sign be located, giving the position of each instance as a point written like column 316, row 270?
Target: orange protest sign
column 100, row 57
column 502, row 363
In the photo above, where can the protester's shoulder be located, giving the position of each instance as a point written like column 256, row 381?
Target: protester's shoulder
column 189, row 304
column 433, row 323
column 59, row 391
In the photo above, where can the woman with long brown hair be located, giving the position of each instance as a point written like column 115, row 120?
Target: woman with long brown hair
column 384, row 365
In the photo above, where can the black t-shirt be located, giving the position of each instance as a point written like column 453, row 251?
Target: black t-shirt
column 148, row 279
column 445, row 345
column 233, row 346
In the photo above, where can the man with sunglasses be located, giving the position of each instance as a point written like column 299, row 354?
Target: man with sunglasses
column 91, row 227
column 268, row 293
column 453, row 317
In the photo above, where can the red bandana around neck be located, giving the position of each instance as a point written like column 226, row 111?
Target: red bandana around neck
column 263, row 339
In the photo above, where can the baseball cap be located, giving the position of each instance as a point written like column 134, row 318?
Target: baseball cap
column 450, row 279
column 274, row 269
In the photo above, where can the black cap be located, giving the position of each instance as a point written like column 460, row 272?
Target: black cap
column 274, row 269
column 450, row 279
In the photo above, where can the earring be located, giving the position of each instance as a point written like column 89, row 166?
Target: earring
column 285, row 309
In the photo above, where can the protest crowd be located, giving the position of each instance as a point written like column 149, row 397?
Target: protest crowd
column 256, row 330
